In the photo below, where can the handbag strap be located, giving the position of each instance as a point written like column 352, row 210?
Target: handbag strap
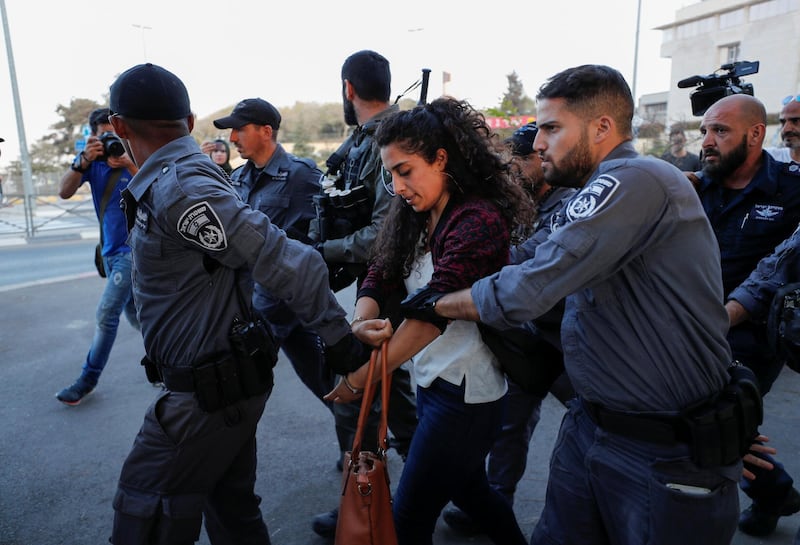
column 110, row 185
column 366, row 402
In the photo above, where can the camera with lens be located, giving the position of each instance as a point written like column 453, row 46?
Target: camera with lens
column 112, row 145
column 718, row 85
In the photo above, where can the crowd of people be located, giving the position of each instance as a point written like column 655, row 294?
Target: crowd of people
column 561, row 247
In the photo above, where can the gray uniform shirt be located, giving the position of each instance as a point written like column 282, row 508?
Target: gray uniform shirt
column 633, row 252
column 189, row 232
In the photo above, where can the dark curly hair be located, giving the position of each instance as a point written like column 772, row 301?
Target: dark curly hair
column 474, row 167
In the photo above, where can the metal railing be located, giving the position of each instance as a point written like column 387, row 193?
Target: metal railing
column 31, row 216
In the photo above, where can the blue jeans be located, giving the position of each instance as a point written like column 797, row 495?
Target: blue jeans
column 604, row 488
column 447, row 462
column 117, row 298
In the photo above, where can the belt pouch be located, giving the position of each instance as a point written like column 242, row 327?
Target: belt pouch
column 255, row 374
column 151, row 370
column 229, row 381
column 206, row 387
column 728, row 422
column 705, row 437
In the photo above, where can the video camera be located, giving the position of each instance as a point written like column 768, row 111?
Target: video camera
column 715, row 86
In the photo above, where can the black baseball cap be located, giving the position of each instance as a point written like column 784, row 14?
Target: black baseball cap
column 147, row 91
column 521, row 141
column 251, row 110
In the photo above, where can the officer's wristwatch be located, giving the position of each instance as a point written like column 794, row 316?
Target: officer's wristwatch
column 76, row 164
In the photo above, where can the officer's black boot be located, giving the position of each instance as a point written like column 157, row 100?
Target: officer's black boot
column 324, row 524
column 757, row 521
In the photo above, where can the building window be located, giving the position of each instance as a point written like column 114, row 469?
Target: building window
column 773, row 8
column 695, row 28
column 730, row 53
column 731, row 18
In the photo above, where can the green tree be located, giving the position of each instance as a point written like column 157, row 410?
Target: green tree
column 515, row 101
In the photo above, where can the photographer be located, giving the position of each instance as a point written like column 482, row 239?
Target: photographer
column 108, row 169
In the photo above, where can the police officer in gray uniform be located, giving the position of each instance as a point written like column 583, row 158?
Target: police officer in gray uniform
column 283, row 187
column 643, row 332
column 193, row 240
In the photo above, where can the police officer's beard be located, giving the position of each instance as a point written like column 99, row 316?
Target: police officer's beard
column 574, row 168
column 349, row 113
column 726, row 164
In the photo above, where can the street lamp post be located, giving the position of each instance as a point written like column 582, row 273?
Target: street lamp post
column 27, row 175
column 636, row 50
column 144, row 45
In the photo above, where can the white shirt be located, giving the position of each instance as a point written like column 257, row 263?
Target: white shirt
column 782, row 154
column 457, row 355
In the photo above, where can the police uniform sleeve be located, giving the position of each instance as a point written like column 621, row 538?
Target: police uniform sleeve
column 214, row 220
column 774, row 271
column 601, row 228
column 304, row 185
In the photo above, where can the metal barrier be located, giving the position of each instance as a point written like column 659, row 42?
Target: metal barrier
column 45, row 213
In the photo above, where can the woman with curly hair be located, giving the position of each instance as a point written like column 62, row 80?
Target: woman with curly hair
column 449, row 225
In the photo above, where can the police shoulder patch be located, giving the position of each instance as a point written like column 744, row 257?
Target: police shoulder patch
column 592, row 198
column 793, row 169
column 201, row 225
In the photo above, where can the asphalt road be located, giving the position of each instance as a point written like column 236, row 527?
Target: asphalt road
column 59, row 464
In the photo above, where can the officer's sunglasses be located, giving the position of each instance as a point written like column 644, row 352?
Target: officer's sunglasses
column 790, row 98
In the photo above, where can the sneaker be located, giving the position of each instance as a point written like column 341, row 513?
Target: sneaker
column 460, row 522
column 325, row 524
column 72, row 395
column 756, row 521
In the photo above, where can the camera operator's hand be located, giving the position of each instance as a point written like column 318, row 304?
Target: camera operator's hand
column 93, row 149
column 207, row 147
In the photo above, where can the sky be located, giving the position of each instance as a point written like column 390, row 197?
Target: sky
column 292, row 51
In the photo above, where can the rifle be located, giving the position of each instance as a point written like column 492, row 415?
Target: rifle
column 423, row 92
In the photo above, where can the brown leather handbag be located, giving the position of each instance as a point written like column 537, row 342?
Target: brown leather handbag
column 365, row 508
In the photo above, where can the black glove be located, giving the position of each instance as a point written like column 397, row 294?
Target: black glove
column 420, row 305
column 347, row 355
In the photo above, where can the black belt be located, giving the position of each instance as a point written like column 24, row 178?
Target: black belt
column 177, row 379
column 662, row 430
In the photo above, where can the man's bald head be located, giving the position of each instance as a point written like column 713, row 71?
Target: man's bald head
column 745, row 108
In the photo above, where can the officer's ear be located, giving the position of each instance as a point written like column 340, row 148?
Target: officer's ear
column 756, row 134
column 349, row 92
column 603, row 127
